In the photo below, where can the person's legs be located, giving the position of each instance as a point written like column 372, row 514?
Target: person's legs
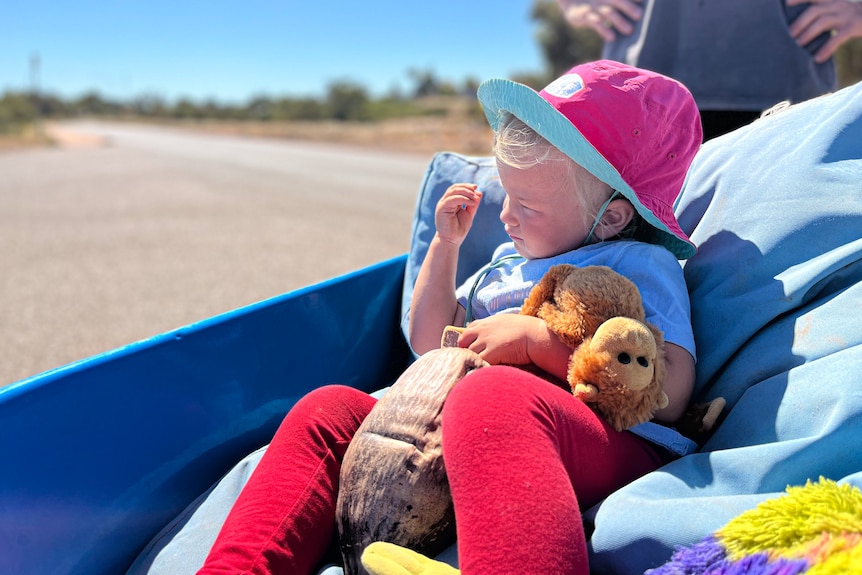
column 284, row 518
column 523, row 458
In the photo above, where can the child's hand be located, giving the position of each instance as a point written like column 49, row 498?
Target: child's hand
column 502, row 338
column 455, row 211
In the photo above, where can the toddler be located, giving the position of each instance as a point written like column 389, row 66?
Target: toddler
column 591, row 166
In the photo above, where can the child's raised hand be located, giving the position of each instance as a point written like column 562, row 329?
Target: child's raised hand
column 455, row 210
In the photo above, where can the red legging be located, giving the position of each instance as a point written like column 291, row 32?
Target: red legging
column 517, row 451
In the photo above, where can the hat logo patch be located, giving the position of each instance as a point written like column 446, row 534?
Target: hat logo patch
column 565, row 86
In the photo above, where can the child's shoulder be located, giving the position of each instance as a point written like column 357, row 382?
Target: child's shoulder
column 622, row 252
column 639, row 261
column 628, row 257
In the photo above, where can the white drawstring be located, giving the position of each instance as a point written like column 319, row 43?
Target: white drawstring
column 599, row 216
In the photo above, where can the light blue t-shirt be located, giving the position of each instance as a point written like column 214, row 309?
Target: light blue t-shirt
column 653, row 269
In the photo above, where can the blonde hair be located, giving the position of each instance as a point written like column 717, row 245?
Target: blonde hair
column 518, row 145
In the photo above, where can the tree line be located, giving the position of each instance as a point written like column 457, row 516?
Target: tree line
column 561, row 46
column 344, row 100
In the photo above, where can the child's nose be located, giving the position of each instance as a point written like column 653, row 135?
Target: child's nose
column 506, row 214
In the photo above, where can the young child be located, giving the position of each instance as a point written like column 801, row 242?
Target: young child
column 598, row 155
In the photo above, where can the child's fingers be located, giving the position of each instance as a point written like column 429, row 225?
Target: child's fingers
column 457, row 198
column 463, row 190
column 455, row 211
column 455, row 204
column 463, row 185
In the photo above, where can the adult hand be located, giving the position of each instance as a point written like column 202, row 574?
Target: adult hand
column 842, row 19
column 607, row 17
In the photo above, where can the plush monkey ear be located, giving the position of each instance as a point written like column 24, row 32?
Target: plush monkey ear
column 543, row 291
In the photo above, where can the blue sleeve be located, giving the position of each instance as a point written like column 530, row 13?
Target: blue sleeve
column 659, row 277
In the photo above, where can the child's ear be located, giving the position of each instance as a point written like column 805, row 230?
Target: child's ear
column 616, row 217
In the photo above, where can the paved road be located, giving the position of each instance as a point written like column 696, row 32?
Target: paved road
column 130, row 231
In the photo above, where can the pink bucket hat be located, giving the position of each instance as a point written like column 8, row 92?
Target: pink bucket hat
column 633, row 129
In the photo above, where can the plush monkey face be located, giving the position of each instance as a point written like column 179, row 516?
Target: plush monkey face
column 631, row 350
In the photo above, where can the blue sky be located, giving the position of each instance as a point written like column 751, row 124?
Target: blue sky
column 231, row 51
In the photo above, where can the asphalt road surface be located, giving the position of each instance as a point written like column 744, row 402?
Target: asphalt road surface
column 128, row 231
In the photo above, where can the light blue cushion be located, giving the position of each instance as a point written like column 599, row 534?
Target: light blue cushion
column 776, row 210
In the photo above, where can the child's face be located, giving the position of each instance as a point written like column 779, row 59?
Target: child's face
column 543, row 215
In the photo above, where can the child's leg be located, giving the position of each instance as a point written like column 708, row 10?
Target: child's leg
column 284, row 519
column 523, row 458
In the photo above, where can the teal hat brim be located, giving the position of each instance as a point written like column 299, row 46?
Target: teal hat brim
column 499, row 96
